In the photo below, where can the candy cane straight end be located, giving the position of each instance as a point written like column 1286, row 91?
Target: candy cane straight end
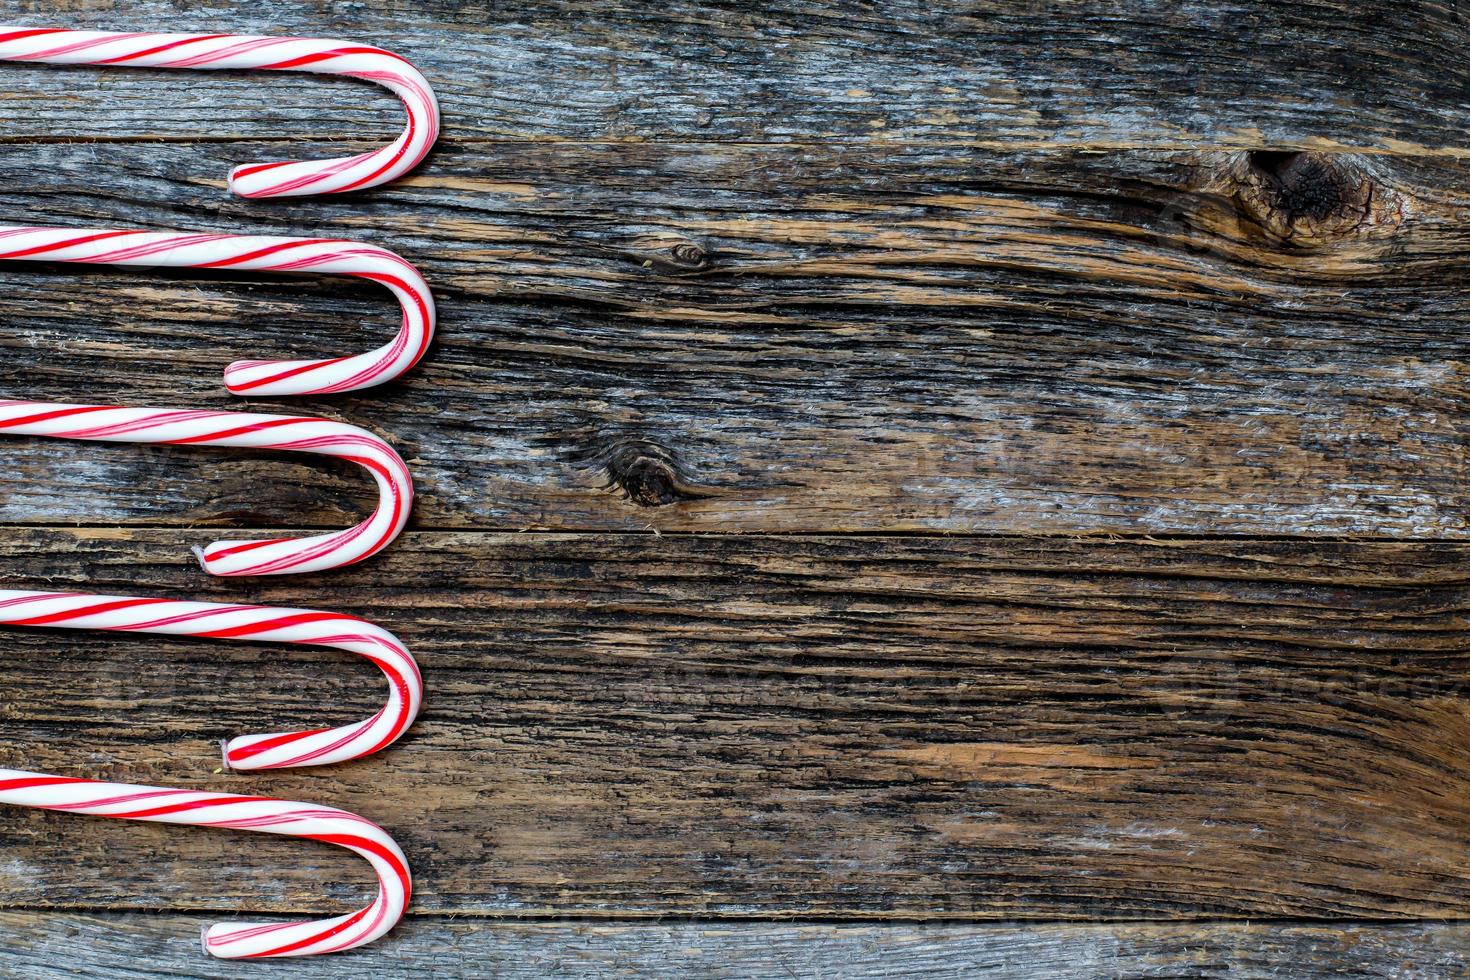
column 236, row 188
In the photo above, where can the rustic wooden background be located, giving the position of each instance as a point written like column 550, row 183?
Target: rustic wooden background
column 914, row 488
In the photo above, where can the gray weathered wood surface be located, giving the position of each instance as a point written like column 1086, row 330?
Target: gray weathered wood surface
column 1244, row 74
column 1085, row 382
column 125, row 945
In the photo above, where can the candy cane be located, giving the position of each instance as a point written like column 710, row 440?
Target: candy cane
column 256, row 624
column 211, row 51
column 180, row 427
column 245, row 940
column 266, row 253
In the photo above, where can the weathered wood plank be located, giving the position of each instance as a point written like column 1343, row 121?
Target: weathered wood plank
column 708, row 337
column 133, row 945
column 858, row 727
column 1100, row 74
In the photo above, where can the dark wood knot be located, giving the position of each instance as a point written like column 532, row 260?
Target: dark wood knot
column 646, row 473
column 689, row 255
column 670, row 252
column 1308, row 200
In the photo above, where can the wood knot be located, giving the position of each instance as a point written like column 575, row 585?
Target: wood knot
column 690, row 255
column 646, row 473
column 1308, row 200
column 670, row 252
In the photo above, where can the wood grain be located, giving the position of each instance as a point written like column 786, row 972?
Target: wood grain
column 624, row 725
column 1242, row 75
column 705, row 337
column 129, row 945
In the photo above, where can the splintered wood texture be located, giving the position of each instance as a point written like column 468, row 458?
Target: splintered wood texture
column 707, row 337
column 855, row 727
column 133, row 945
column 1242, row 74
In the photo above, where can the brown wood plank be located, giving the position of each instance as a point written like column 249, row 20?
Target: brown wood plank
column 1095, row 73
column 865, row 727
column 129, row 945
column 709, row 337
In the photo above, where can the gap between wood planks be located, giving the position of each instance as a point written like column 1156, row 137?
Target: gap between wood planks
column 1325, row 147
column 537, row 918
column 1099, row 536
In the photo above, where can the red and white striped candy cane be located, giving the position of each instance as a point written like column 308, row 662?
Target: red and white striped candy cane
column 265, row 253
column 257, row 624
column 243, row 940
column 289, row 178
column 290, row 433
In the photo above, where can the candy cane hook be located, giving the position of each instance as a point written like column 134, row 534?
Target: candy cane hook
column 214, row 51
column 256, row 624
column 290, row 433
column 265, row 253
column 243, row 940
